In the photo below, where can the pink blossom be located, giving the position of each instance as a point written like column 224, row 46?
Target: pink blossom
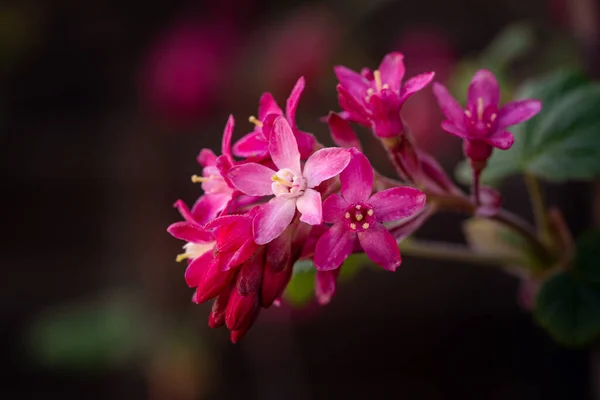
column 375, row 98
column 483, row 123
column 256, row 143
column 358, row 216
column 292, row 185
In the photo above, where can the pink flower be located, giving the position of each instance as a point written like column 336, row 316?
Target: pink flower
column 256, row 143
column 218, row 191
column 356, row 215
column 292, row 185
column 374, row 98
column 483, row 123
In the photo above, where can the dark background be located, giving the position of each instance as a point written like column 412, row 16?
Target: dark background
column 98, row 139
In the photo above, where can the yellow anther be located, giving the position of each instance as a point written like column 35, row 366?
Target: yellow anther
column 365, row 225
column 181, row 257
column 358, row 216
column 358, row 207
column 200, row 179
column 377, row 76
column 281, row 181
column 480, row 108
column 468, row 113
column 353, row 226
column 255, row 121
column 347, row 215
column 493, row 117
column 370, row 212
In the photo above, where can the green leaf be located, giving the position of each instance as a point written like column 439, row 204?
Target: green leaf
column 568, row 305
column 512, row 43
column 301, row 289
column 92, row 336
column 559, row 144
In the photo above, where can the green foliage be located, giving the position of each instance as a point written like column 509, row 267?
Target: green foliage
column 562, row 142
column 568, row 305
column 93, row 336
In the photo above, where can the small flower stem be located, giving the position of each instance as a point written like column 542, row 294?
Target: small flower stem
column 451, row 252
column 538, row 204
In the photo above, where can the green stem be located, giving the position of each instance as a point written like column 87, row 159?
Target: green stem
column 538, row 204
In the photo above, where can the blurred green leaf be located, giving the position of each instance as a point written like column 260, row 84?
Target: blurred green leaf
column 568, row 305
column 301, row 289
column 98, row 335
column 559, row 144
column 510, row 44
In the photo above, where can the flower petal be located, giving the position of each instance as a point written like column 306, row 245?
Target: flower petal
column 226, row 142
column 196, row 270
column 252, row 144
column 516, row 112
column 267, row 105
column 324, row 164
column 483, row 86
column 341, row 132
column 501, row 140
column 206, row 157
column 334, row 208
column 309, row 205
column 190, row 232
column 449, row 106
column 291, row 105
column 357, row 178
column 272, row 218
column 283, row 146
column 334, row 247
column 352, row 81
column 392, row 70
column 306, row 144
column 252, row 179
column 185, row 211
column 325, row 285
column 414, row 84
column 397, row 203
column 353, row 106
column 243, row 254
column 380, row 246
column 456, row 130
column 208, row 206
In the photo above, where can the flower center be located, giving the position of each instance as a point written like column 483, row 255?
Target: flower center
column 194, row 250
column 287, row 183
column 359, row 217
column 379, row 85
column 480, row 119
column 213, row 183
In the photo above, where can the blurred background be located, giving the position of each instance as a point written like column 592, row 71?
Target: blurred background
column 104, row 106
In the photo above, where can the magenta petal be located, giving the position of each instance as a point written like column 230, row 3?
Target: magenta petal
column 197, row 269
column 484, row 86
column 397, row 203
column 325, row 285
column 380, row 246
column 272, row 218
column 392, row 70
column 185, row 211
column 243, row 254
column 449, row 106
column 309, row 205
column 252, row 144
column 341, row 132
column 306, row 144
column 209, row 206
column 291, row 104
column 334, row 208
column 283, row 146
column 206, row 157
column 324, row 164
column 357, row 178
column 190, row 232
column 501, row 140
column 455, row 130
column 516, row 112
column 353, row 82
column 414, row 84
column 252, row 179
column 334, row 247
column 355, row 110
column 226, row 142
column 267, row 105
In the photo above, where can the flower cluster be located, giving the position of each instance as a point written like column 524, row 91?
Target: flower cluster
column 277, row 196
